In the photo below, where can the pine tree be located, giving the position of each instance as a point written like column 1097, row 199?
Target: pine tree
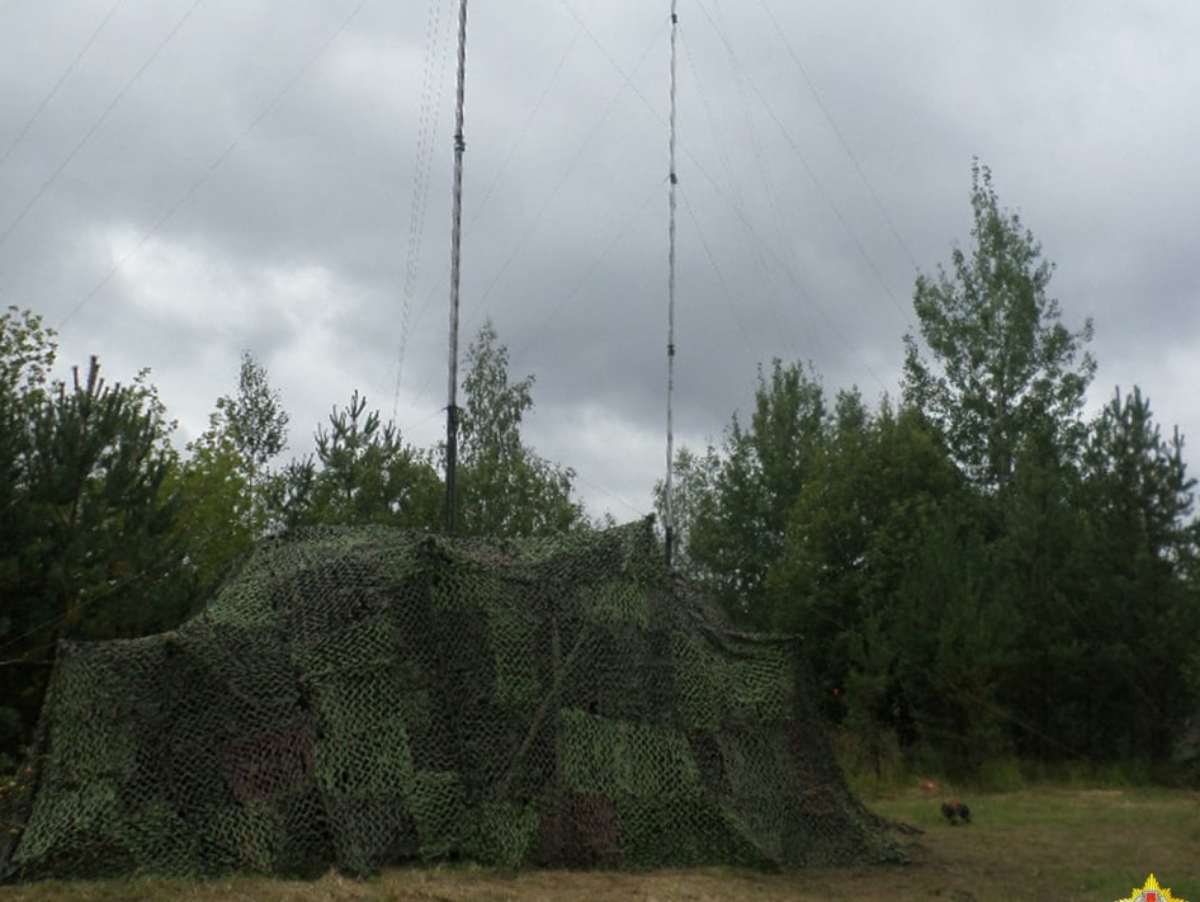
column 362, row 473
column 96, row 555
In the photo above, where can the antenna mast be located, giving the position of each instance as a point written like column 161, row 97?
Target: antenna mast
column 668, row 506
column 455, row 254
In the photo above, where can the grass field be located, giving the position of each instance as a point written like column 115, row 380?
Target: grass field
column 1060, row 844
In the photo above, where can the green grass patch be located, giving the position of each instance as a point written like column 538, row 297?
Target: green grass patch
column 1047, row 842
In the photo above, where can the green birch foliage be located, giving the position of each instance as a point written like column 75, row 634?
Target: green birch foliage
column 737, row 532
column 994, row 361
column 504, row 488
column 217, row 521
column 693, row 498
column 1002, row 380
column 226, row 480
column 256, row 422
column 27, row 353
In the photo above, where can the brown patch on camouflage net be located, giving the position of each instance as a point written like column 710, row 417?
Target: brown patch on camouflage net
column 584, row 835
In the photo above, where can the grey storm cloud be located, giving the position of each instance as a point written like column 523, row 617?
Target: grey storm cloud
column 185, row 179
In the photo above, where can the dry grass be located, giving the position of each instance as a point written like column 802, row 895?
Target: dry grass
column 1039, row 844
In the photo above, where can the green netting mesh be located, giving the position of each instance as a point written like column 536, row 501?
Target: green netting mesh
column 362, row 697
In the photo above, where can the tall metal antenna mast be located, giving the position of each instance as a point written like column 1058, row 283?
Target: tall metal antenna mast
column 455, row 256
column 668, row 506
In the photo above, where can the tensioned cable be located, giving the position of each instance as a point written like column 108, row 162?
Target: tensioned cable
column 548, row 203
column 740, row 213
column 216, row 163
column 611, row 60
column 773, row 197
column 99, row 121
column 544, row 323
column 720, row 276
column 455, row 264
column 838, row 134
column 523, row 131
column 427, row 126
column 785, row 267
column 410, row 275
column 755, row 248
column 668, row 508
column 584, row 145
column 585, row 276
column 637, row 511
column 732, row 204
column 799, row 154
column 479, row 209
column 58, row 84
column 700, row 168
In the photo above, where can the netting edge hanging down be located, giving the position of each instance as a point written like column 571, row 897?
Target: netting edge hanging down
column 357, row 698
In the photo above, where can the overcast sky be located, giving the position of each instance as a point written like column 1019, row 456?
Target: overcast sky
column 182, row 180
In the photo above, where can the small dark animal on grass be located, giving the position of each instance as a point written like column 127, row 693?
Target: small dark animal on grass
column 955, row 811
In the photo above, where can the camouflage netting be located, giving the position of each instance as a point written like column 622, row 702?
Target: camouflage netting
column 361, row 697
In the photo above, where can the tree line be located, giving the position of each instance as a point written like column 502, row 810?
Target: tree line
column 107, row 530
column 981, row 572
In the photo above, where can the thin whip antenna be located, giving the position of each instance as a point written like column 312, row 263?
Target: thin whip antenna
column 668, row 505
column 460, row 147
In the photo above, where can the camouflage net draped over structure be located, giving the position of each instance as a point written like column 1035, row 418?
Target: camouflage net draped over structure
column 360, row 697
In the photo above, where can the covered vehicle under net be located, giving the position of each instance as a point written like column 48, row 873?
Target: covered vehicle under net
column 361, row 697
